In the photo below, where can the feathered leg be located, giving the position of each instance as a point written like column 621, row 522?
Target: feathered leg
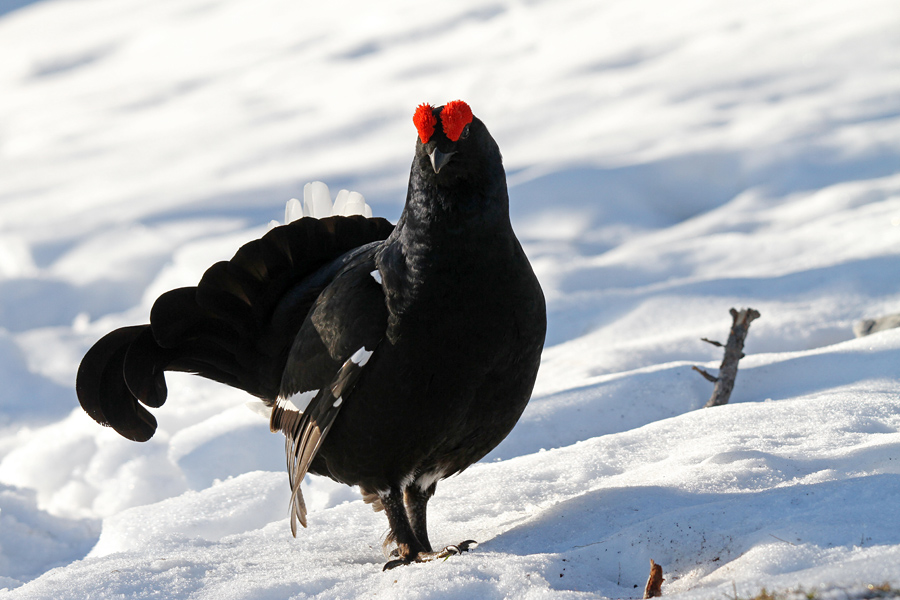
column 416, row 501
column 408, row 545
column 409, row 530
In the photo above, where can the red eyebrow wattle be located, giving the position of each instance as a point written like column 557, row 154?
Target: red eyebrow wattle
column 425, row 122
column 454, row 118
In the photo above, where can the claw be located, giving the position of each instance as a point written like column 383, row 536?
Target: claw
column 392, row 564
column 451, row 550
column 456, row 549
column 430, row 556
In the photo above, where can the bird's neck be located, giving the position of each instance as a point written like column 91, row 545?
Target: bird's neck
column 440, row 236
column 437, row 208
column 452, row 224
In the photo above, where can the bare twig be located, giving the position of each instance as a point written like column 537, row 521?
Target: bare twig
column 706, row 375
column 734, row 352
column 654, row 582
column 713, row 342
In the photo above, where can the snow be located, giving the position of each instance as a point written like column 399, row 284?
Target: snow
column 667, row 161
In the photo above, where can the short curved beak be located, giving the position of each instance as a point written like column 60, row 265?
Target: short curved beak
column 439, row 159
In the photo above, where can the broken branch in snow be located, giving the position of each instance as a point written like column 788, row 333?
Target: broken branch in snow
column 706, row 374
column 734, row 352
column 654, row 582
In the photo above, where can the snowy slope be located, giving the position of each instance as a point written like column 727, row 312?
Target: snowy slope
column 667, row 161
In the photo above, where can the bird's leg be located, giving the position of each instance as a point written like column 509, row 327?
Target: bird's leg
column 416, row 502
column 408, row 545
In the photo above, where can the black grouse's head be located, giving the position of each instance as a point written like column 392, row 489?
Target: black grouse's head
column 454, row 146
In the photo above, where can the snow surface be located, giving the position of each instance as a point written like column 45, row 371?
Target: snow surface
column 667, row 161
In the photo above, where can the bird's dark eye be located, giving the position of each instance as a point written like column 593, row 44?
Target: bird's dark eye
column 465, row 133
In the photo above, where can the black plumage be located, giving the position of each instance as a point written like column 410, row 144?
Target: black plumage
column 416, row 345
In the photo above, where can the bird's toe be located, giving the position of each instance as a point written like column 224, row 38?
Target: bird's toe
column 393, row 564
column 456, row 549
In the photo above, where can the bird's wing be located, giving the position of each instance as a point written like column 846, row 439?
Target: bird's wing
column 305, row 431
column 236, row 326
column 328, row 358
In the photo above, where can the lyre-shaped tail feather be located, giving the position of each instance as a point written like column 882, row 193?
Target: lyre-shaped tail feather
column 102, row 390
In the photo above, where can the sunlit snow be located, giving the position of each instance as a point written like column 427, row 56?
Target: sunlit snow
column 667, row 161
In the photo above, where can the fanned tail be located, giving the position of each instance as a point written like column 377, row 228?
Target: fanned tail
column 235, row 327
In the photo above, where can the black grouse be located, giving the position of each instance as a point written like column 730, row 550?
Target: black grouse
column 416, row 346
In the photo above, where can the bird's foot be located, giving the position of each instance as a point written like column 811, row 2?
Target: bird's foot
column 421, row 557
column 452, row 549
